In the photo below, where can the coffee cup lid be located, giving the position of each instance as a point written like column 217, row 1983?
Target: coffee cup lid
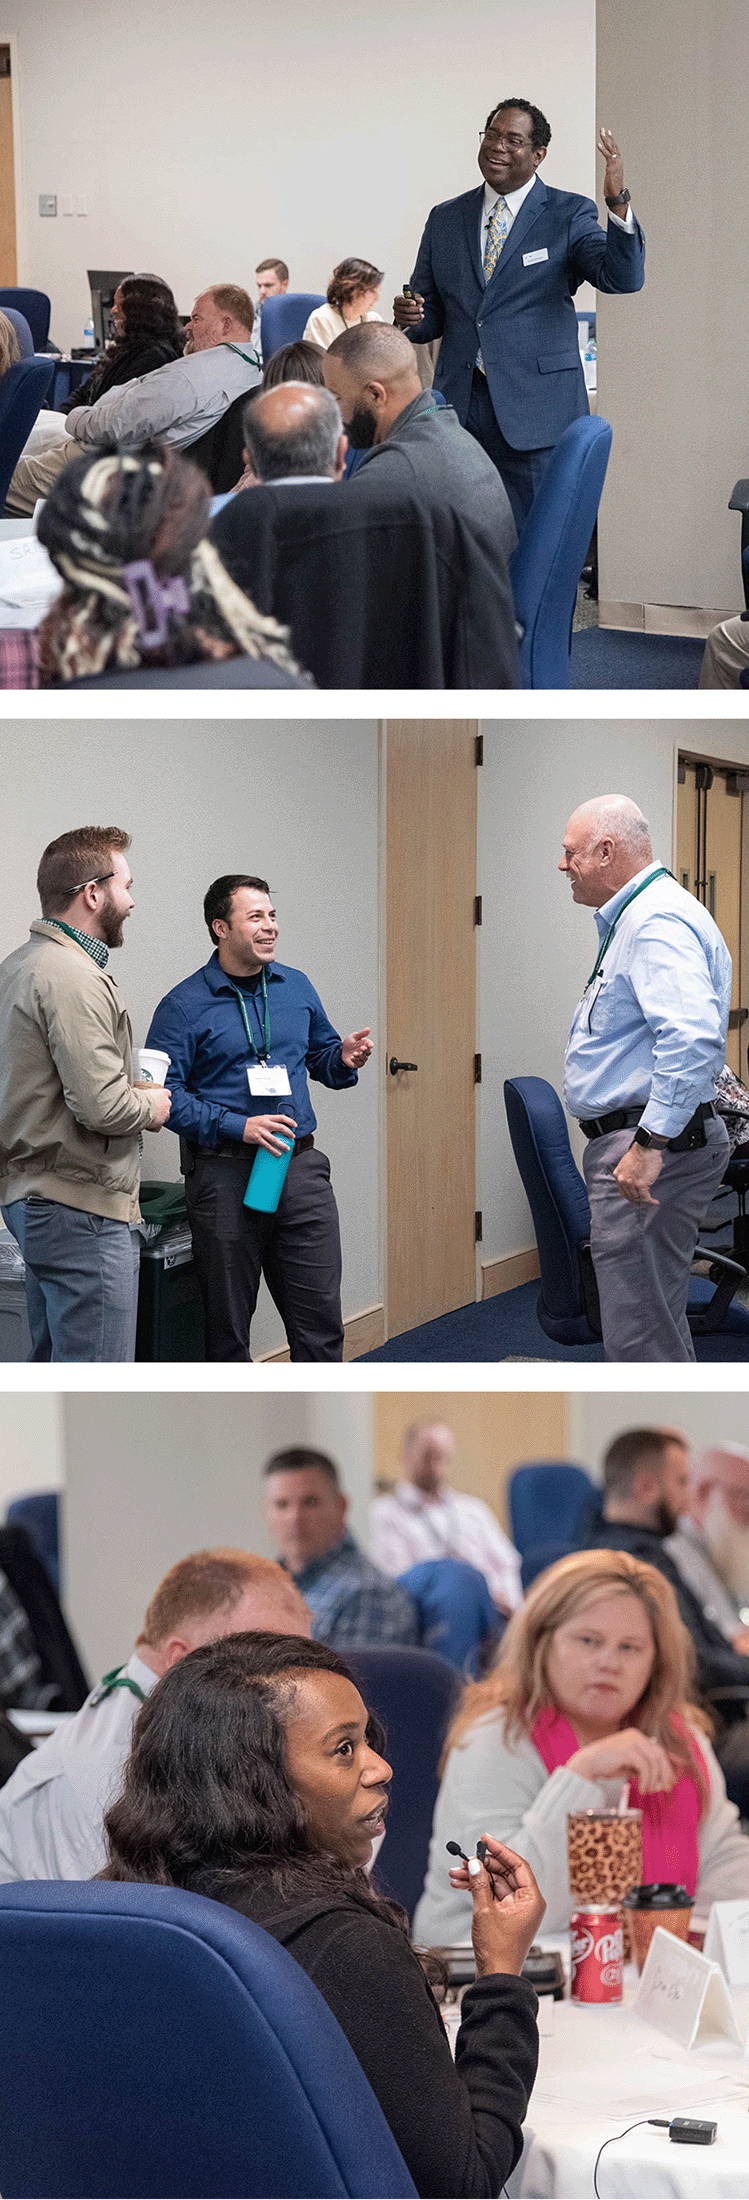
column 659, row 1894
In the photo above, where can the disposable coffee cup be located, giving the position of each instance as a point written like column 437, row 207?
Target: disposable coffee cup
column 662, row 1902
column 150, row 1066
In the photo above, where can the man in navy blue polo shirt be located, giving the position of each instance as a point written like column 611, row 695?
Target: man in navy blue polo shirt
column 240, row 1033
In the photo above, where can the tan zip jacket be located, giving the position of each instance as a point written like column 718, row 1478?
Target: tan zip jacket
column 69, row 1114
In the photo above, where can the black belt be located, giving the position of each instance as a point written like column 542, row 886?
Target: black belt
column 238, row 1152
column 625, row 1119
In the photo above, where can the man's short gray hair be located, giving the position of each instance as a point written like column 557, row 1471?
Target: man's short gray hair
column 307, row 445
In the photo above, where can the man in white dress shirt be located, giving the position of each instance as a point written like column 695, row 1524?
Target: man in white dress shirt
column 423, row 1518
column 52, row 1808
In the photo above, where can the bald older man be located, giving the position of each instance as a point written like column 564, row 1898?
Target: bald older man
column 711, row 1544
column 647, row 1041
column 406, row 438
column 293, row 433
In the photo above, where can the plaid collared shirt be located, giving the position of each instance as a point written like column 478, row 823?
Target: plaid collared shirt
column 20, row 1668
column 19, row 658
column 351, row 1601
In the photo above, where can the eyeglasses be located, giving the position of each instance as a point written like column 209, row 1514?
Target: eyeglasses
column 509, row 138
column 100, row 881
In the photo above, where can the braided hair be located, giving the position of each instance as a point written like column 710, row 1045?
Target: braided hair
column 107, row 513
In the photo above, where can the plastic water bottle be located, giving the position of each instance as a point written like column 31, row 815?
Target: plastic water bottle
column 267, row 1178
column 89, row 338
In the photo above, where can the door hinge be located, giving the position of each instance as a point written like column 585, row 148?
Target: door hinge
column 479, row 748
column 478, row 909
column 478, row 1225
column 477, row 1069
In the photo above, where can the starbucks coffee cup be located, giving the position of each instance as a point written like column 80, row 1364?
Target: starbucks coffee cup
column 150, row 1066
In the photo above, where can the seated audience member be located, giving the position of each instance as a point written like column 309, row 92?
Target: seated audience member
column 301, row 362
column 353, row 291
column 52, row 1809
column 423, row 1518
column 710, row 1545
column 39, row 1665
column 271, row 277
column 176, row 404
column 407, row 439
column 143, row 585
column 593, row 1687
column 275, row 1815
column 147, row 335
column 726, row 653
column 9, row 345
column 293, row 432
column 350, row 1600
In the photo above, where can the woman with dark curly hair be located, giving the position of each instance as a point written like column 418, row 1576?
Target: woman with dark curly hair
column 143, row 585
column 353, row 291
column 147, row 334
column 256, row 1777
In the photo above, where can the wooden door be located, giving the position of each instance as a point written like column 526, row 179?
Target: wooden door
column 430, row 1112
column 8, row 263
column 715, row 872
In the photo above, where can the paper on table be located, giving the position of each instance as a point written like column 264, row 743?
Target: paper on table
column 27, row 575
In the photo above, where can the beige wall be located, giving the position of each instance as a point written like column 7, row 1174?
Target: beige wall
column 203, row 138
column 674, row 80
column 494, row 1434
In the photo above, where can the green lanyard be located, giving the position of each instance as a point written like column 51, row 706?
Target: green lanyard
column 661, row 873
column 246, row 1021
column 118, row 1679
column 245, row 355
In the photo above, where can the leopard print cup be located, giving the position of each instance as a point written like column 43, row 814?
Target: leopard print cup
column 604, row 1853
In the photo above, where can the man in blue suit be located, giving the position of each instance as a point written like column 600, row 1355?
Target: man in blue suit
column 495, row 278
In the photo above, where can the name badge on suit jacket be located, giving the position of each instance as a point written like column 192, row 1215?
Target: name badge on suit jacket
column 531, row 259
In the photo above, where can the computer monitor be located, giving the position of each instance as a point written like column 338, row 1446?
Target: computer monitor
column 103, row 282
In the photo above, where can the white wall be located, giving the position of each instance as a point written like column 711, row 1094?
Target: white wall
column 31, row 1445
column 674, row 80
column 151, row 1477
column 296, row 803
column 707, row 1417
column 204, row 138
column 535, row 946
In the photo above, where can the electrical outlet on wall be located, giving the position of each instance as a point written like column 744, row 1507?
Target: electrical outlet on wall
column 48, row 203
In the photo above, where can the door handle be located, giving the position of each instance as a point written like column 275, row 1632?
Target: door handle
column 394, row 1065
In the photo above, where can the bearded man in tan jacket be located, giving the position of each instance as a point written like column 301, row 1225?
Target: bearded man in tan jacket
column 70, row 1116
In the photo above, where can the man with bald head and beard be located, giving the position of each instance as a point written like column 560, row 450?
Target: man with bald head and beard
column 648, row 1039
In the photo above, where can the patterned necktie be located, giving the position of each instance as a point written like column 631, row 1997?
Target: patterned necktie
column 497, row 230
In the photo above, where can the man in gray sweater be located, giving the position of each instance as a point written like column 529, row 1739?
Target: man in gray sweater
column 409, row 438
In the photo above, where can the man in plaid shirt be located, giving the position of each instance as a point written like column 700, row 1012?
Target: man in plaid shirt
column 350, row 1600
column 20, row 1668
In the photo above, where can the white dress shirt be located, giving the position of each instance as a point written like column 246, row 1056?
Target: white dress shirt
column 406, row 1527
column 52, row 1808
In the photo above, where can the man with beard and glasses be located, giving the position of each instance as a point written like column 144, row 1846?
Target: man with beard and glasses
column 406, row 438
column 711, row 1543
column 70, row 1116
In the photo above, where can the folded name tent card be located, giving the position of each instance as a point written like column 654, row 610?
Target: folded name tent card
column 684, row 1994
column 727, row 1940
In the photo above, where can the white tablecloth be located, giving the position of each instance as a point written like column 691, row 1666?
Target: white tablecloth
column 600, row 2069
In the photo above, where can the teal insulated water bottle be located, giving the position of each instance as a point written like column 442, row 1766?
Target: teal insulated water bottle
column 267, row 1178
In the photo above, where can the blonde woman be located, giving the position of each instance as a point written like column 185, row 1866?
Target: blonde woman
column 9, row 347
column 591, row 1692
column 353, row 291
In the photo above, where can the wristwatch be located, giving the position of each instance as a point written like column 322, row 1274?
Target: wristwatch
column 622, row 199
column 651, row 1140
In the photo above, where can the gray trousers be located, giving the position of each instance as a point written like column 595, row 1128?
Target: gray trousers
column 726, row 654
column 643, row 1255
column 81, row 1280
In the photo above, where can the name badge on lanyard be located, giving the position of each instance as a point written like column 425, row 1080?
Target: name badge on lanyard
column 268, row 1080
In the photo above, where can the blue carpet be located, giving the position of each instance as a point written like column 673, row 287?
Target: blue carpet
column 613, row 657
column 506, row 1328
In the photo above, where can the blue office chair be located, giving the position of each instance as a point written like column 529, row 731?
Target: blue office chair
column 22, row 392
column 155, row 2042
column 546, row 1498
column 545, row 568
column 39, row 1514
column 37, row 308
column 567, row 1304
column 19, row 322
column 456, row 1608
column 285, row 318
column 414, row 1693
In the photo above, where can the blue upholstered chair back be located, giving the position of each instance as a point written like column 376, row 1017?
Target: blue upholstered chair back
column 558, row 1202
column 414, row 1692
column 22, row 392
column 39, row 1514
column 546, row 1500
column 285, row 318
column 456, row 1609
column 19, row 322
column 37, row 308
column 154, row 2042
column 547, row 564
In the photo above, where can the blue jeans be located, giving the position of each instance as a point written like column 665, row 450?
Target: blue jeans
column 81, row 1280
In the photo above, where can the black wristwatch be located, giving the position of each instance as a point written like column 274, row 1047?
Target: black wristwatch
column 650, row 1140
column 622, row 199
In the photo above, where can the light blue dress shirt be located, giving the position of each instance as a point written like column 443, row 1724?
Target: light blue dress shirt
column 652, row 1026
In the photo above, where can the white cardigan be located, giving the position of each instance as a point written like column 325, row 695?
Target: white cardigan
column 488, row 1787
